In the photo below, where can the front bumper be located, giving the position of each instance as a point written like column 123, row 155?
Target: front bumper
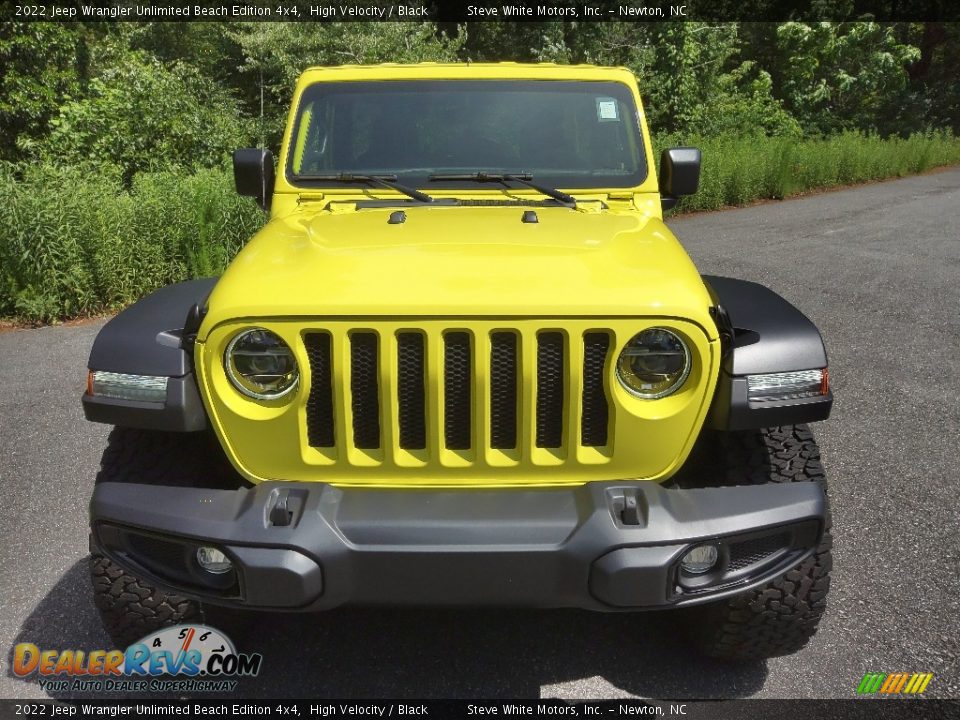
column 601, row 546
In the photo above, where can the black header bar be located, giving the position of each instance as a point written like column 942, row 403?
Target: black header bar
column 871, row 709
column 480, row 11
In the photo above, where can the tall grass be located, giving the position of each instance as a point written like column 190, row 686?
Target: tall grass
column 74, row 243
column 739, row 170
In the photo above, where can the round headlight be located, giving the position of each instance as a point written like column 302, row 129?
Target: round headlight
column 653, row 364
column 261, row 365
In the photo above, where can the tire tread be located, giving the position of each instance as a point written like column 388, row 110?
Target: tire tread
column 129, row 606
column 780, row 617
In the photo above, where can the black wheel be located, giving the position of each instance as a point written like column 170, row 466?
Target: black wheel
column 780, row 617
column 131, row 607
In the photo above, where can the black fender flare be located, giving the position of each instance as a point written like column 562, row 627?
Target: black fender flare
column 764, row 334
column 153, row 337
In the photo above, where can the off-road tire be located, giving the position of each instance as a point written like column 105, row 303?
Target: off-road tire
column 780, row 617
column 153, row 457
column 131, row 607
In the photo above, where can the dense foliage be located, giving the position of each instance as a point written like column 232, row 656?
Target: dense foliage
column 114, row 139
column 76, row 242
column 197, row 89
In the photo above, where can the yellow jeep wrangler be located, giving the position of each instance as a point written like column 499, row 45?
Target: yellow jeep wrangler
column 465, row 362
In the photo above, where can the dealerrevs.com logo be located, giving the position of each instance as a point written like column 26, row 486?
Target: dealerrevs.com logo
column 894, row 683
column 182, row 658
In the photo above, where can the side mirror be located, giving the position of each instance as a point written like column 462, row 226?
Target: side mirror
column 254, row 175
column 679, row 174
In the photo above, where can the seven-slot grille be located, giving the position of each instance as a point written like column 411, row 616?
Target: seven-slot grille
column 405, row 381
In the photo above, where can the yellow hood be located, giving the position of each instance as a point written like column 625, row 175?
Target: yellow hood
column 457, row 261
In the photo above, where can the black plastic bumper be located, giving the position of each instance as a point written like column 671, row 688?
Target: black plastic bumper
column 603, row 546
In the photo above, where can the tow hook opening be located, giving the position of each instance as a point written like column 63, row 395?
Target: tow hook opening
column 284, row 507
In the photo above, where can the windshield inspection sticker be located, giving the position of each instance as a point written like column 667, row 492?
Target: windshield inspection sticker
column 607, row 110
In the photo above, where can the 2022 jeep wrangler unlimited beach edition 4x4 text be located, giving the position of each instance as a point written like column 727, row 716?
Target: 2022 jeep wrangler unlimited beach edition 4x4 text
column 435, row 378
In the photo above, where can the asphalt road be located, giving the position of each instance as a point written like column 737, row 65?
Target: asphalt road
column 878, row 270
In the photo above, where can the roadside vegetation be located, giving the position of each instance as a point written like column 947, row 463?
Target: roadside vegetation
column 76, row 243
column 115, row 139
column 740, row 170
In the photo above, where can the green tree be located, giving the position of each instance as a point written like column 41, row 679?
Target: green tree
column 144, row 114
column 274, row 55
column 933, row 97
column 207, row 46
column 692, row 75
column 41, row 66
column 742, row 103
column 495, row 41
column 839, row 76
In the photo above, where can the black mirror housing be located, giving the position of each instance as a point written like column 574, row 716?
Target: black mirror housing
column 679, row 174
column 254, row 174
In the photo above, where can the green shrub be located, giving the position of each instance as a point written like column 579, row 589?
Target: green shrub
column 144, row 114
column 78, row 243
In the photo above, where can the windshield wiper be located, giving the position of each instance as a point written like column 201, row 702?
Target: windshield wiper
column 522, row 178
column 387, row 181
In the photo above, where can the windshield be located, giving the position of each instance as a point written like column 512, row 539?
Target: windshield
column 579, row 134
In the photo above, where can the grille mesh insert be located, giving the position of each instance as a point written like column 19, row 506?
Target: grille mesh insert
column 594, row 420
column 503, row 390
column 411, row 396
column 320, row 403
column 456, row 387
column 550, row 390
column 747, row 552
column 364, row 390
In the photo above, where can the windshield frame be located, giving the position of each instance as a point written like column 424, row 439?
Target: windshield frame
column 573, row 182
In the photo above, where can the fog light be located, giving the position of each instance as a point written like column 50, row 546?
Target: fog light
column 213, row 560
column 700, row 559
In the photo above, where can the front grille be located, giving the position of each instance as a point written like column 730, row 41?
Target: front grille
column 518, row 392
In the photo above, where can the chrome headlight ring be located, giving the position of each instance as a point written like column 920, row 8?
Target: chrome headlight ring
column 655, row 363
column 261, row 365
